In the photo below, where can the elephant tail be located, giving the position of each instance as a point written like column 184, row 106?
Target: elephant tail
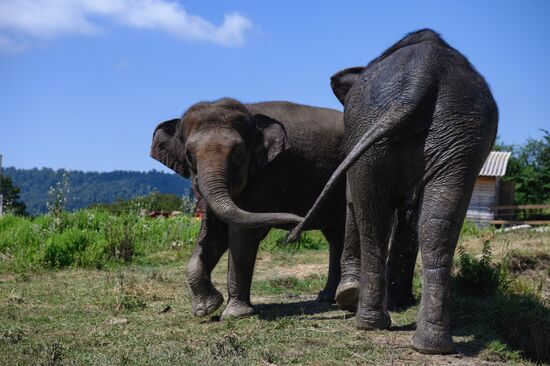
column 373, row 135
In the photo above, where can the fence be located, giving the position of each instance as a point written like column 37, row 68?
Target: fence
column 520, row 215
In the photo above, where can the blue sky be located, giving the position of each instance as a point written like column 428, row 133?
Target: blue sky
column 83, row 83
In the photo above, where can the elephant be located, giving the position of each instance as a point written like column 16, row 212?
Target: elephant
column 247, row 161
column 419, row 122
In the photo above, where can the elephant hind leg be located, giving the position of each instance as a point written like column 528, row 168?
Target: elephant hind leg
column 335, row 238
column 442, row 212
column 347, row 293
column 374, row 222
column 402, row 259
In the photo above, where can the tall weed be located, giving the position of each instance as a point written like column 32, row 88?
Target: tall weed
column 499, row 305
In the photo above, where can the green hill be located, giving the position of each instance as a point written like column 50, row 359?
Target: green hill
column 87, row 188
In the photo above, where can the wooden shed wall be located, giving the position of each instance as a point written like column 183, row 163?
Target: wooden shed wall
column 484, row 196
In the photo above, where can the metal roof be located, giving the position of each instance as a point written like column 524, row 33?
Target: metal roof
column 495, row 165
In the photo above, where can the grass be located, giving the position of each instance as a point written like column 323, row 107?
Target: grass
column 57, row 306
column 89, row 238
column 98, row 238
column 69, row 316
column 498, row 306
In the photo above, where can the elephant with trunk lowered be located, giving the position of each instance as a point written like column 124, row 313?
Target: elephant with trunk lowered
column 245, row 161
column 419, row 123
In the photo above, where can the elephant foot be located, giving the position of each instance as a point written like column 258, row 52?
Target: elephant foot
column 370, row 320
column 347, row 295
column 207, row 303
column 326, row 296
column 432, row 339
column 237, row 309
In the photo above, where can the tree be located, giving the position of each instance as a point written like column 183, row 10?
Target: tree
column 529, row 168
column 12, row 201
column 89, row 188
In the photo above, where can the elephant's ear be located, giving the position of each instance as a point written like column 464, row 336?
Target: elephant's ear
column 342, row 81
column 168, row 149
column 271, row 142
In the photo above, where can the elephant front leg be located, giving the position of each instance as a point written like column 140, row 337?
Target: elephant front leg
column 243, row 247
column 402, row 260
column 210, row 245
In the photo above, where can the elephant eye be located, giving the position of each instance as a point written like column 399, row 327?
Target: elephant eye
column 238, row 157
column 190, row 160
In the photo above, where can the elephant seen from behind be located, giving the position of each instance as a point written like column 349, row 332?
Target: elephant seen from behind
column 419, row 123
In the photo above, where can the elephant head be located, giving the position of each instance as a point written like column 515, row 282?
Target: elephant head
column 218, row 145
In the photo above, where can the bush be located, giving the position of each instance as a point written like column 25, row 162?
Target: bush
column 479, row 277
column 20, row 240
column 276, row 241
column 469, row 228
column 154, row 201
column 487, row 298
column 96, row 238
column 66, row 249
column 91, row 237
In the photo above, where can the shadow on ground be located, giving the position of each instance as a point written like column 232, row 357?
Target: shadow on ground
column 281, row 310
column 521, row 323
column 500, row 323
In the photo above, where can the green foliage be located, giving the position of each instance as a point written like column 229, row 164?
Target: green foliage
column 66, row 249
column 20, row 240
column 276, row 241
column 154, row 201
column 478, row 277
column 500, row 306
column 88, row 188
column 529, row 168
column 89, row 238
column 10, row 193
column 497, row 350
column 469, row 228
column 98, row 237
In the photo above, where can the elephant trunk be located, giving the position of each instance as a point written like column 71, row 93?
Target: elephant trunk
column 214, row 189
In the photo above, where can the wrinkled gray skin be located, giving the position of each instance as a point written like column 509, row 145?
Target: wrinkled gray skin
column 419, row 123
column 245, row 159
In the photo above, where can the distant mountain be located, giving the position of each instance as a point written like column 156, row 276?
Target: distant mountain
column 87, row 188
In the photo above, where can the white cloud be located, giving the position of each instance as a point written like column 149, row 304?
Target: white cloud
column 24, row 22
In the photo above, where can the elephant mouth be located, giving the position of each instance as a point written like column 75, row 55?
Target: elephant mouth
column 197, row 189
